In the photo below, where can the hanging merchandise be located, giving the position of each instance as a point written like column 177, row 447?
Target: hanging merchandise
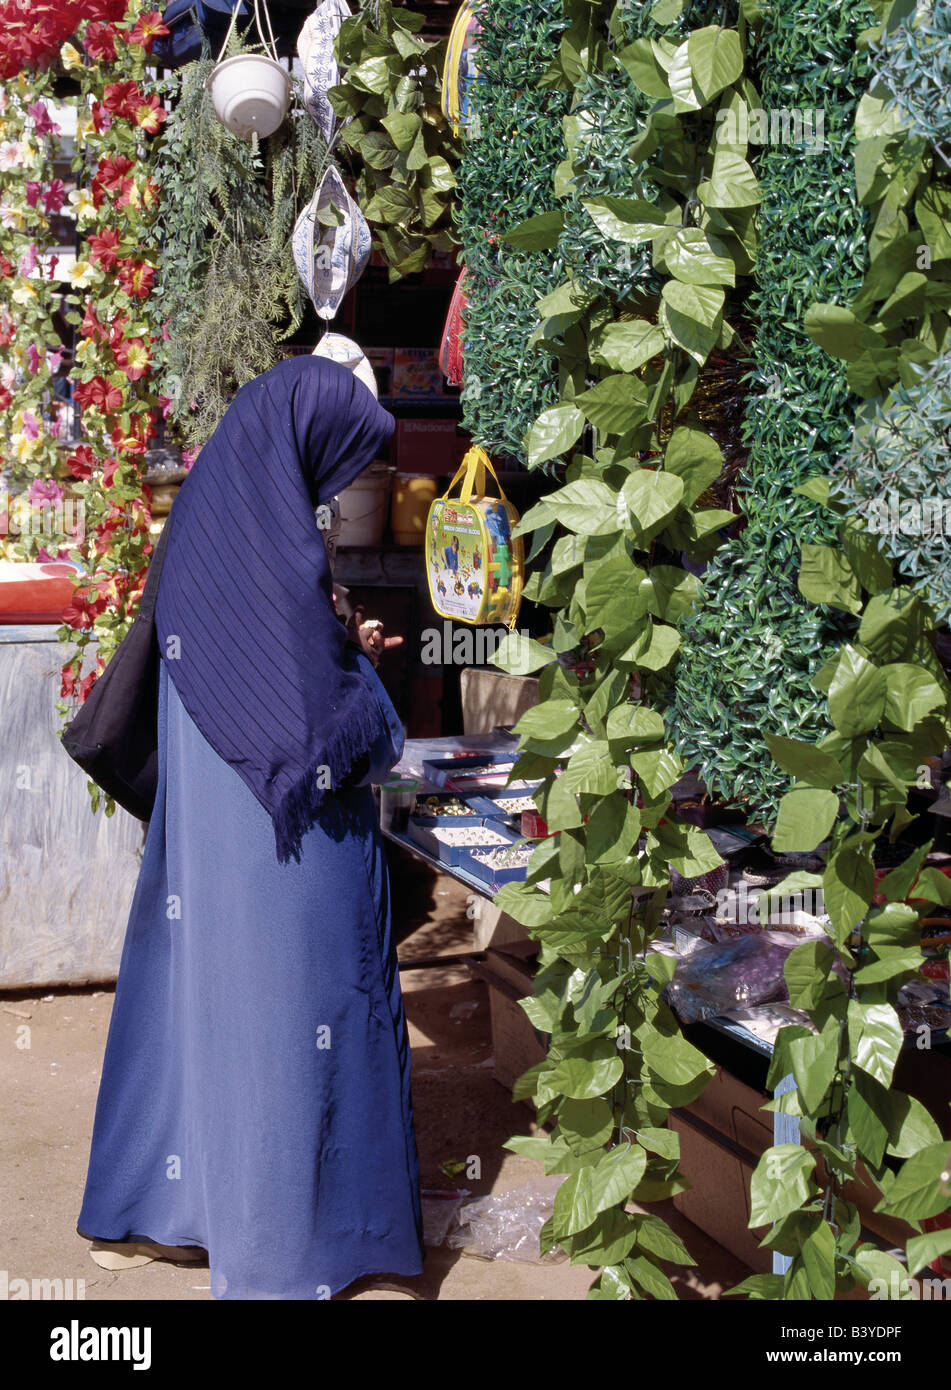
column 460, row 69
column 450, row 350
column 252, row 91
column 474, row 565
column 330, row 258
column 315, row 48
column 349, row 354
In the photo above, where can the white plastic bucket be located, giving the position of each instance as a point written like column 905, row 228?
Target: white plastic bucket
column 250, row 93
column 364, row 505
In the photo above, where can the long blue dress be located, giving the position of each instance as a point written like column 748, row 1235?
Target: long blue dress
column 255, row 1094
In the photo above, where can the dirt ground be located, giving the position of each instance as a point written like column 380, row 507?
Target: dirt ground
column 48, row 1095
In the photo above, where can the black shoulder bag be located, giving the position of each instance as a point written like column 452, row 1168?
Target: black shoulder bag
column 114, row 737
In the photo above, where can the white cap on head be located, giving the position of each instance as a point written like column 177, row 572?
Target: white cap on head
column 345, row 351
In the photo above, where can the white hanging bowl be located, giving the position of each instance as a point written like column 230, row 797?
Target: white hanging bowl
column 251, row 94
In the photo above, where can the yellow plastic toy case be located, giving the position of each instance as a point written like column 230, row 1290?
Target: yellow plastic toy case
column 474, row 565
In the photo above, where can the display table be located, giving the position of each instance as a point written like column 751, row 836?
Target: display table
column 725, row 1131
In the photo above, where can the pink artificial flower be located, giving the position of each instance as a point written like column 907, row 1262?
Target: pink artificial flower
column 33, row 361
column 32, row 192
column 166, row 336
column 189, row 456
column 54, row 427
column 54, row 197
column 44, row 490
column 54, row 262
column 28, row 260
column 43, row 122
column 166, row 403
column 54, row 359
column 31, row 425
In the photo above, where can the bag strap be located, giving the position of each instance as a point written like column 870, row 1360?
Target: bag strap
column 472, row 471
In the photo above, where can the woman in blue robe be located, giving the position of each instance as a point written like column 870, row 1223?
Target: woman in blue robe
column 255, row 1095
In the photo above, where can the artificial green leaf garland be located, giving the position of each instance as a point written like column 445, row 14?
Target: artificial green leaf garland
column 748, row 656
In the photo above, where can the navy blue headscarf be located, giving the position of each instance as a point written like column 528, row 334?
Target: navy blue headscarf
column 261, row 663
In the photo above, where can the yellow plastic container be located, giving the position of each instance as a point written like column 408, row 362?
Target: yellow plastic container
column 413, row 495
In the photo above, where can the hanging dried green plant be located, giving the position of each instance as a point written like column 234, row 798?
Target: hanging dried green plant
column 231, row 291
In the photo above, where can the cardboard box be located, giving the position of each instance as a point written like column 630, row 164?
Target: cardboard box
column 722, row 1136
column 416, row 374
column 429, row 446
column 515, row 1044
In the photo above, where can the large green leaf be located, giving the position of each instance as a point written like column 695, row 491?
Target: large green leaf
column 627, row 345
column 591, row 769
column 716, row 59
column 584, row 1078
column 856, row 694
column 651, row 497
column 548, row 720
column 875, row 1039
column 911, row 693
column 608, row 1183
column 826, row 576
column 805, row 761
column 732, row 183
column 691, row 257
column 695, row 457
column 640, row 63
column 616, row 404
column 837, row 329
column 922, row 1187
column 539, row 233
column 673, row 1059
column 781, row 1183
column 631, row 220
column 520, row 655
column 554, row 432
column 806, row 815
column 586, row 506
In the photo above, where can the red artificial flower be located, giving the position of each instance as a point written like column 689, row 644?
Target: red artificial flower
column 149, row 114
column 98, row 393
column 121, row 98
column 91, row 327
column 68, row 685
column 5, row 267
column 109, row 10
column 117, row 330
column 136, row 278
column 87, row 682
column 132, row 357
column 147, row 28
column 103, row 248
column 5, row 398
column 101, row 118
column 100, row 42
column 112, row 177
column 53, row 197
column 81, row 461
column 110, row 468
column 83, row 609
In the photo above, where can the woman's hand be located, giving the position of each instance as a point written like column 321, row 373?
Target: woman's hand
column 369, row 635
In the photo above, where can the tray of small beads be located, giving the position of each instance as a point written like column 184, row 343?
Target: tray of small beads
column 501, row 864
column 451, row 843
column 444, row 810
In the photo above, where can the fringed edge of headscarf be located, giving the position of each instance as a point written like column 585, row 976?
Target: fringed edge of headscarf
column 301, row 804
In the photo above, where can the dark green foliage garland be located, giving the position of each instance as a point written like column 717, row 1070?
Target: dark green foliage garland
column 746, row 661
column 506, row 176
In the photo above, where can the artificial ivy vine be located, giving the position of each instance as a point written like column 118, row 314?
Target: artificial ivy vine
column 388, row 96
column 629, row 370
column 748, row 656
column 889, row 704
